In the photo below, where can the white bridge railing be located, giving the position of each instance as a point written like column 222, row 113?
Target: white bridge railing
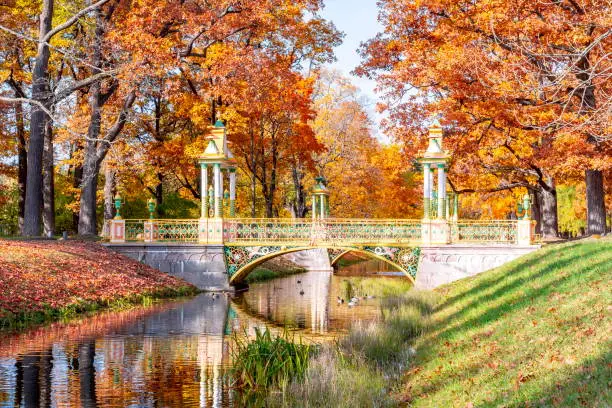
column 331, row 231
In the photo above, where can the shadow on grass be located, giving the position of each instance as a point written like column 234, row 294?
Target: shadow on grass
column 551, row 274
column 579, row 386
column 488, row 282
column 514, row 282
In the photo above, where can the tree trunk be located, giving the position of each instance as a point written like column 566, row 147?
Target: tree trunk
column 48, row 183
column 40, row 93
column 253, row 177
column 548, row 206
column 159, row 194
column 596, row 206
column 76, row 183
column 109, row 193
column 536, row 213
column 89, row 185
column 299, row 205
column 22, row 157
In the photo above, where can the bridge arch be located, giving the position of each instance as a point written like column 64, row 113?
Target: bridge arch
column 242, row 260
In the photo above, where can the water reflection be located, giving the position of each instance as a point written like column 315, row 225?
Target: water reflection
column 171, row 354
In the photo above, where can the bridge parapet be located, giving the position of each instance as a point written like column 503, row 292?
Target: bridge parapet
column 322, row 232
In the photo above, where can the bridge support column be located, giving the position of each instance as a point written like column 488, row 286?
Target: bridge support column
column 149, row 231
column 525, row 232
column 117, row 231
column 426, row 191
column 435, row 232
column 210, row 231
column 204, row 189
column 441, row 191
column 232, row 179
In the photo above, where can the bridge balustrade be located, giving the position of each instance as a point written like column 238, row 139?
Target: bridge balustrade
column 330, row 231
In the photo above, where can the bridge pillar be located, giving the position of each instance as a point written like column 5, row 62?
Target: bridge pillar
column 435, row 232
column 210, row 231
column 117, row 231
column 525, row 232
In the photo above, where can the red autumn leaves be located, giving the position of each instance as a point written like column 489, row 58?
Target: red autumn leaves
column 36, row 275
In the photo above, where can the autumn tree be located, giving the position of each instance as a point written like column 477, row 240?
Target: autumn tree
column 483, row 67
column 366, row 178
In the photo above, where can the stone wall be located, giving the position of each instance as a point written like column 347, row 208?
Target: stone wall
column 200, row 265
column 448, row 263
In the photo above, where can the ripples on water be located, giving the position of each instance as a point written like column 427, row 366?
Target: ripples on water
column 172, row 354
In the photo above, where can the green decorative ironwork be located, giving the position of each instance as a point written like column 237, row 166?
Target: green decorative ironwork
column 334, row 253
column 522, row 209
column 134, row 230
column 406, row 258
column 497, row 231
column 118, row 203
column 326, row 232
column 237, row 257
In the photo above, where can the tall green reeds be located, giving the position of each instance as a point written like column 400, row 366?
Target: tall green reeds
column 361, row 370
column 266, row 362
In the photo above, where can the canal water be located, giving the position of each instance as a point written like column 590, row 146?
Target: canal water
column 174, row 353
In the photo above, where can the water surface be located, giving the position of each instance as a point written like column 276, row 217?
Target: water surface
column 175, row 353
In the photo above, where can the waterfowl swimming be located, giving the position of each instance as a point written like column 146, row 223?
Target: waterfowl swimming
column 340, row 300
column 299, row 281
column 351, row 303
column 354, row 299
column 301, row 292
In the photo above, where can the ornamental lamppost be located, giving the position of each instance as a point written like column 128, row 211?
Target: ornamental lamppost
column 435, row 229
column 117, row 224
column 217, row 156
column 525, row 226
column 151, row 207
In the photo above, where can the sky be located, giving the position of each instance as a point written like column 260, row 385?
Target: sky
column 358, row 20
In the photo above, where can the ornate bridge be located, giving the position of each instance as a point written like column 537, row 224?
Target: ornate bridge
column 244, row 243
column 249, row 242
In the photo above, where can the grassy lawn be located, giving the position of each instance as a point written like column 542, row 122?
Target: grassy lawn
column 534, row 332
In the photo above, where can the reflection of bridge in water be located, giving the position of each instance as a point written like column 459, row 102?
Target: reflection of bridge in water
column 175, row 354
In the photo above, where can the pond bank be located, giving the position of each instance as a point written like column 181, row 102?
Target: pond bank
column 48, row 280
column 534, row 332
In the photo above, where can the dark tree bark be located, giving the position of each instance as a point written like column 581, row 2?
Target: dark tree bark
column 536, row 213
column 48, row 182
column 76, row 183
column 95, row 152
column 96, row 146
column 299, row 209
column 38, row 122
column 548, row 207
column 595, row 194
column 91, row 169
column 596, row 207
column 253, row 178
column 22, row 158
column 110, row 190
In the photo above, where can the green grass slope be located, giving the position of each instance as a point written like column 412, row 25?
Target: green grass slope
column 532, row 333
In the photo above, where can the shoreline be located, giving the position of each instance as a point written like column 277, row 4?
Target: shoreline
column 46, row 280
